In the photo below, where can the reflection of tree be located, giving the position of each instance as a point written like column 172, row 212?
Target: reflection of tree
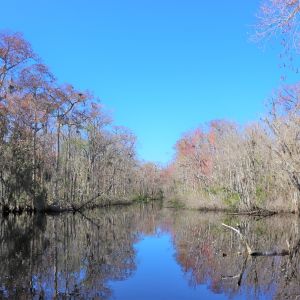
column 21, row 247
column 214, row 257
column 76, row 255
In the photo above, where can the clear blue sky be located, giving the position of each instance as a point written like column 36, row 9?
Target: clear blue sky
column 161, row 67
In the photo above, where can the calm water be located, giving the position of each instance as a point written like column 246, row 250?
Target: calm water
column 146, row 252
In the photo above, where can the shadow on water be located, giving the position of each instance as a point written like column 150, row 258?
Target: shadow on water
column 77, row 256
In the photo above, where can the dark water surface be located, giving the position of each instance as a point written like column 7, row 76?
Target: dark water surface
column 146, row 252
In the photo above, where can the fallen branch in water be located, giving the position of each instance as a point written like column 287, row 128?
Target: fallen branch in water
column 87, row 202
column 258, row 253
column 240, row 275
column 249, row 251
column 89, row 219
column 55, row 209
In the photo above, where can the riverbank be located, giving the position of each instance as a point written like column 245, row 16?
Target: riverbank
column 219, row 203
column 188, row 201
column 98, row 201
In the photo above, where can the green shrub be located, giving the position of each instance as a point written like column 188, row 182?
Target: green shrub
column 232, row 199
column 260, row 195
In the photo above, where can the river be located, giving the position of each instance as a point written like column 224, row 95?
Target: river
column 147, row 252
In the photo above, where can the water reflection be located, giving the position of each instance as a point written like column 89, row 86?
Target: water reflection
column 214, row 256
column 105, row 254
column 70, row 255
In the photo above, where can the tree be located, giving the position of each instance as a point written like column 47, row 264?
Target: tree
column 15, row 51
column 279, row 17
column 57, row 145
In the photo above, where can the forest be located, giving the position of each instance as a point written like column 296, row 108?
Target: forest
column 60, row 150
column 254, row 167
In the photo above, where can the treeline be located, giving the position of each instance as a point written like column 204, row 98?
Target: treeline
column 57, row 145
column 257, row 167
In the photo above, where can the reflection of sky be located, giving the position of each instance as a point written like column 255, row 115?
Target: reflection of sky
column 158, row 276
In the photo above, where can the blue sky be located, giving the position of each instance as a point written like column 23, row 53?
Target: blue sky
column 162, row 67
